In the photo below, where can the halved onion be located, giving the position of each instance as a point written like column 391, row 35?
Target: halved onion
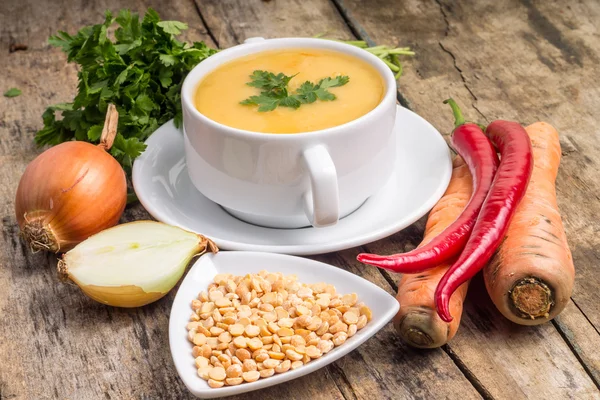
column 133, row 264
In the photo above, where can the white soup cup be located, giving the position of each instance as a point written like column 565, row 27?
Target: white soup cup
column 290, row 180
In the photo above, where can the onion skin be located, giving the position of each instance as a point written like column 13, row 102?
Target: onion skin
column 122, row 296
column 68, row 193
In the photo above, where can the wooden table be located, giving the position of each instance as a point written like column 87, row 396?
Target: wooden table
column 524, row 60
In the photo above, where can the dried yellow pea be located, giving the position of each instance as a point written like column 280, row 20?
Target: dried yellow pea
column 203, row 372
column 217, row 373
column 249, row 327
column 296, row 364
column 234, row 371
column 234, row 381
column 362, row 322
column 240, row 341
column 352, row 330
column 251, row 376
column 265, row 373
column 215, row 384
column 313, row 352
column 271, row 363
column 249, row 365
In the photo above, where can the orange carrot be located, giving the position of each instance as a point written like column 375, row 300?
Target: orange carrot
column 417, row 320
column 530, row 278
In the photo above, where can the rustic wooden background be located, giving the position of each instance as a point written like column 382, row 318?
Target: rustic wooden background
column 525, row 60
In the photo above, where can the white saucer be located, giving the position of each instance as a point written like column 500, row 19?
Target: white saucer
column 423, row 171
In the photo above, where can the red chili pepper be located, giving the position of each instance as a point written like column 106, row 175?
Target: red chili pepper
column 475, row 148
column 508, row 188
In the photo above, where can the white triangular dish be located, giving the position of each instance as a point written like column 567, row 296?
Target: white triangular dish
column 383, row 307
column 421, row 175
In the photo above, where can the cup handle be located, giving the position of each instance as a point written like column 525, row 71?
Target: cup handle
column 321, row 202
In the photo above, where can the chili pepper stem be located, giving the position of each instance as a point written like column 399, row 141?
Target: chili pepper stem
column 458, row 116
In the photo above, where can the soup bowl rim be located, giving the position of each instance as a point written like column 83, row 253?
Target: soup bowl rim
column 259, row 45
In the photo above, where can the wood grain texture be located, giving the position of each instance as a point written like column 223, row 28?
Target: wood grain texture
column 54, row 341
column 524, row 60
column 385, row 367
column 517, row 362
column 584, row 339
column 538, row 74
column 363, row 378
column 232, row 21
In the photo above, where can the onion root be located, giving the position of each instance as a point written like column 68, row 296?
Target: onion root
column 39, row 236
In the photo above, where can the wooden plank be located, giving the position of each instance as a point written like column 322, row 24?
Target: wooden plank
column 504, row 359
column 421, row 26
column 117, row 359
column 571, row 45
column 561, row 76
column 416, row 374
column 517, row 362
column 125, row 354
column 585, row 340
column 232, row 21
column 54, row 341
column 360, row 374
column 472, row 60
column 132, row 366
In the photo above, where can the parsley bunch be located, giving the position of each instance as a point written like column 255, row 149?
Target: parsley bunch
column 274, row 91
column 141, row 72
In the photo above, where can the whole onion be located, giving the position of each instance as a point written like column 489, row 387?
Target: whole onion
column 70, row 192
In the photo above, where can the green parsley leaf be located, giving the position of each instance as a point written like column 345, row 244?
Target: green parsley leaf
column 264, row 102
column 324, row 94
column 127, row 149
column 290, row 101
column 339, row 80
column 164, row 76
column 140, row 71
column 173, row 27
column 269, row 81
column 306, row 92
column 274, row 91
column 12, row 92
column 168, row 59
column 95, row 132
column 62, row 39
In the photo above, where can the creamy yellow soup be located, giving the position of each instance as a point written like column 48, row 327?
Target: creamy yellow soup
column 219, row 94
